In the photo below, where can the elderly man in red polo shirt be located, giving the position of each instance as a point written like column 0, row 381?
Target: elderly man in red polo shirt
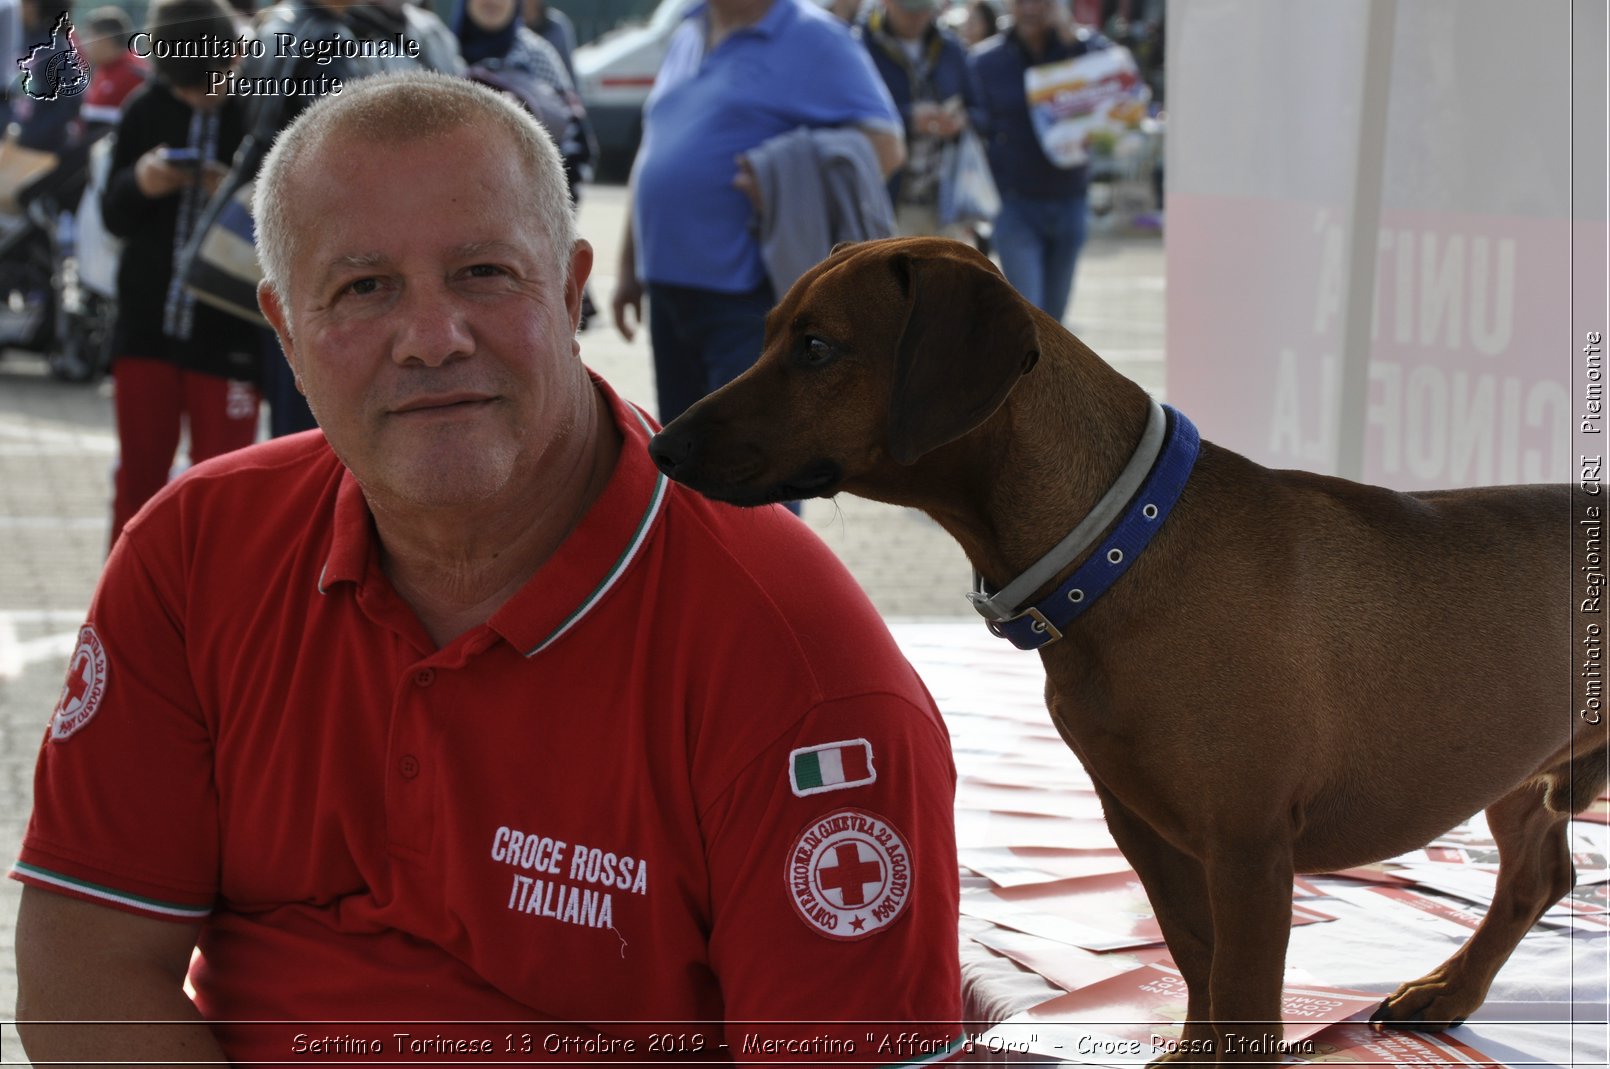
column 459, row 712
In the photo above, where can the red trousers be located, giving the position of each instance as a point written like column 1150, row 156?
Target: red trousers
column 153, row 398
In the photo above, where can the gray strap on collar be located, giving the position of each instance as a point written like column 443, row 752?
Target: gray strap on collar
column 1003, row 604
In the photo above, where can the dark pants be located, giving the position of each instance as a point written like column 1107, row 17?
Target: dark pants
column 702, row 340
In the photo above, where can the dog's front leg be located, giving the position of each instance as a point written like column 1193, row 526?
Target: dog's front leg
column 1249, row 880
column 1176, row 884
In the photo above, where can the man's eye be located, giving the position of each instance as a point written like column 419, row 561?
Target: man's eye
column 363, row 286
column 486, row 271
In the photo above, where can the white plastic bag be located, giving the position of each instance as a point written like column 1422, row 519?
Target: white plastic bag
column 967, row 192
column 98, row 250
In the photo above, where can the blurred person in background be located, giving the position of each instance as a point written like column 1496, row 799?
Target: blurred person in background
column 1043, row 217
column 493, row 41
column 983, row 21
column 44, row 103
column 10, row 45
column 555, row 27
column 847, row 11
column 97, row 53
column 178, row 362
column 438, row 49
column 738, row 73
column 927, row 74
column 115, row 71
column 505, row 54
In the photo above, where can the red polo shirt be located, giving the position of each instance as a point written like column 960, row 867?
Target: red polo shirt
column 683, row 775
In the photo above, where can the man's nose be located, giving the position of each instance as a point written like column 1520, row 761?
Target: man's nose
column 432, row 327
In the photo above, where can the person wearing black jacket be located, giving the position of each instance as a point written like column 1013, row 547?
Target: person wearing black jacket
column 178, row 361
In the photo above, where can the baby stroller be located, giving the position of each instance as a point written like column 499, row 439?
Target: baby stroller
column 53, row 301
column 27, row 250
column 86, row 279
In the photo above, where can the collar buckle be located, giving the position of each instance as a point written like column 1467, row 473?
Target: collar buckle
column 1041, row 625
column 1039, row 632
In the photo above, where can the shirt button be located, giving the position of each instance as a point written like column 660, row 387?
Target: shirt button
column 408, row 766
column 424, row 677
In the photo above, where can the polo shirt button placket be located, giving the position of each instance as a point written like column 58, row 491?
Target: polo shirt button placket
column 410, row 794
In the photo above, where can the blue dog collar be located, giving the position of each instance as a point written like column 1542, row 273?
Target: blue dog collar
column 1044, row 622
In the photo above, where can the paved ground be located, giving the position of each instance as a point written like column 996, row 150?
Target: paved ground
column 57, row 451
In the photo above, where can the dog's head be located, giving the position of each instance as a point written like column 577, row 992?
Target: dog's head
column 877, row 356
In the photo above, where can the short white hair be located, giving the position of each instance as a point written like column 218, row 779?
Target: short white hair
column 400, row 108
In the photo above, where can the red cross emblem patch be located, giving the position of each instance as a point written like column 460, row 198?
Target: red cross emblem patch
column 85, row 687
column 849, row 874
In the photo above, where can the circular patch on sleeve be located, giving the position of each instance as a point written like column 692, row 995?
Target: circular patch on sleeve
column 849, row 874
column 85, row 687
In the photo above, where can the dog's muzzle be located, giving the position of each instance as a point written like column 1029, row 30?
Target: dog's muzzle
column 735, row 473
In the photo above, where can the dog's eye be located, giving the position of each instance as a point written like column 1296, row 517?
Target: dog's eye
column 817, row 352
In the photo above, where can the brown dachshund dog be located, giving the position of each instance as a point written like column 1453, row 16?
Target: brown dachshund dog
column 1298, row 674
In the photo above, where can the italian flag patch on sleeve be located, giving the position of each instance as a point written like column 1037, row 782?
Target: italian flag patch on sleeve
column 834, row 766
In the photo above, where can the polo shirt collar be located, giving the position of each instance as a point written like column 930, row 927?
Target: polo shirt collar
column 352, row 536
column 582, row 571
column 598, row 553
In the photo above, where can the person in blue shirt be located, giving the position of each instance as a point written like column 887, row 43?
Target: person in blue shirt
column 1041, row 226
column 737, row 73
column 926, row 71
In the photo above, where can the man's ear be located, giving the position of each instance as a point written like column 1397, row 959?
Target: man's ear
column 269, row 301
column 581, row 267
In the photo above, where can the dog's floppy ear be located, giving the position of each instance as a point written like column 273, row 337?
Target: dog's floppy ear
column 968, row 338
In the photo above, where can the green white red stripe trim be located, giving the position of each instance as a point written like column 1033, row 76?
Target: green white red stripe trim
column 833, row 766
column 656, row 500
column 35, row 874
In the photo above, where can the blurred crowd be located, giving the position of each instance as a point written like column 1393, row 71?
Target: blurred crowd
column 126, row 145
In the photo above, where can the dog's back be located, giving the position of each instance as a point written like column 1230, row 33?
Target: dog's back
column 1386, row 641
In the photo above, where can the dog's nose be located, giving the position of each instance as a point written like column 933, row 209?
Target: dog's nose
column 669, row 449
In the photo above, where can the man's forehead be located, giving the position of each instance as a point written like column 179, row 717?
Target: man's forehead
column 336, row 181
column 329, row 159
column 376, row 256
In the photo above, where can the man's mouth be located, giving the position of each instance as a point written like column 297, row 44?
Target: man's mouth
column 445, row 404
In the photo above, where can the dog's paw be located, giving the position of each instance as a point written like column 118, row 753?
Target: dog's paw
column 1430, row 1004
